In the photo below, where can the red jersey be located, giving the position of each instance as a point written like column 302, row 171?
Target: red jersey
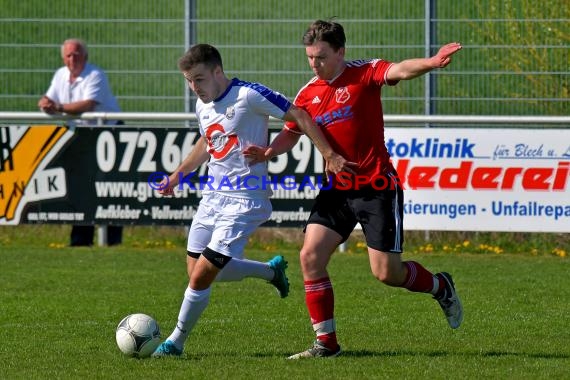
column 348, row 110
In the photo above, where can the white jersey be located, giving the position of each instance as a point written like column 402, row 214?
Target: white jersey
column 232, row 122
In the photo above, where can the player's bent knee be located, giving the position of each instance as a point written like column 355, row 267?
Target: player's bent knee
column 313, row 263
column 308, row 257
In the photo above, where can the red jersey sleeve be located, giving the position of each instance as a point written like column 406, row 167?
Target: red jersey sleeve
column 291, row 126
column 376, row 72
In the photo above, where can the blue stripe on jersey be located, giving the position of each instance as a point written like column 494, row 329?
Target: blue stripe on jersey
column 273, row 96
column 359, row 62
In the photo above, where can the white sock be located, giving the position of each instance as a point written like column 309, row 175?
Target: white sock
column 435, row 288
column 194, row 303
column 238, row 269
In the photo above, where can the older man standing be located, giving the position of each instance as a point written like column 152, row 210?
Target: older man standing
column 75, row 88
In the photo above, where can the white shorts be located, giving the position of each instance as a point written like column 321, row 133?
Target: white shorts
column 224, row 223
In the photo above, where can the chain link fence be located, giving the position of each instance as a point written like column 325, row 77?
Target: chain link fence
column 515, row 57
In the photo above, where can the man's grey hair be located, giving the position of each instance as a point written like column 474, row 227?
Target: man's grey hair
column 77, row 41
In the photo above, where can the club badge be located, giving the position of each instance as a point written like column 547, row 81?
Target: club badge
column 230, row 112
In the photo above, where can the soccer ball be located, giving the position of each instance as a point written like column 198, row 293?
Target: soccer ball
column 138, row 335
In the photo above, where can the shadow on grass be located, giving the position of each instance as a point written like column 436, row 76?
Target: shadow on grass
column 369, row 353
column 526, row 354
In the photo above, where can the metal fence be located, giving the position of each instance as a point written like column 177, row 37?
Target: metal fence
column 515, row 57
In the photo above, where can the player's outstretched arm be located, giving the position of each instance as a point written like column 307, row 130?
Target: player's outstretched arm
column 335, row 163
column 412, row 68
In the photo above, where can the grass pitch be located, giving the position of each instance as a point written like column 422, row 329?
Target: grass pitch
column 60, row 306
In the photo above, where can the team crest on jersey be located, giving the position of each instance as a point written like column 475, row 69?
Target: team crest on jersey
column 230, row 112
column 342, row 95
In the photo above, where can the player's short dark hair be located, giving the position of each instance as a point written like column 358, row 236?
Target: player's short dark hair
column 200, row 53
column 326, row 31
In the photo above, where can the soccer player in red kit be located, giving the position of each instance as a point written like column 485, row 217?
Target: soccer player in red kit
column 344, row 100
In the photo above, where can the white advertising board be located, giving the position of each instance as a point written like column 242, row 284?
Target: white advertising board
column 483, row 179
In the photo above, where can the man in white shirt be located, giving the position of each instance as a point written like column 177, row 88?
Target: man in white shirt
column 75, row 88
column 79, row 86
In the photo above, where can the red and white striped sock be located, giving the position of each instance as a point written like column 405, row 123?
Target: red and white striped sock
column 419, row 279
column 319, row 298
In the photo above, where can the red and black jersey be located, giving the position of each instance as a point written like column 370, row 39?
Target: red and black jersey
column 348, row 109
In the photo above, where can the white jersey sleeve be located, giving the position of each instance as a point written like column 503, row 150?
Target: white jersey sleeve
column 267, row 102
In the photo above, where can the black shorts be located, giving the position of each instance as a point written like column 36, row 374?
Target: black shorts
column 379, row 212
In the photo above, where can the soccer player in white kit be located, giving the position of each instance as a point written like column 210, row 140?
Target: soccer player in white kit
column 232, row 115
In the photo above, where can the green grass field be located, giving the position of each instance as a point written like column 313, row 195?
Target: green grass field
column 60, row 306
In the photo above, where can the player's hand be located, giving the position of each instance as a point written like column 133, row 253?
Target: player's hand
column 257, row 154
column 443, row 56
column 337, row 164
column 166, row 187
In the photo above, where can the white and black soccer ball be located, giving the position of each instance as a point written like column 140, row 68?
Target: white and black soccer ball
column 138, row 335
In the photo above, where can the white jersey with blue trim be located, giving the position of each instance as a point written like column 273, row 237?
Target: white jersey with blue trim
column 232, row 122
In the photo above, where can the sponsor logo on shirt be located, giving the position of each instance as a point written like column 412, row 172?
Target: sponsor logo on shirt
column 219, row 143
column 334, row 116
